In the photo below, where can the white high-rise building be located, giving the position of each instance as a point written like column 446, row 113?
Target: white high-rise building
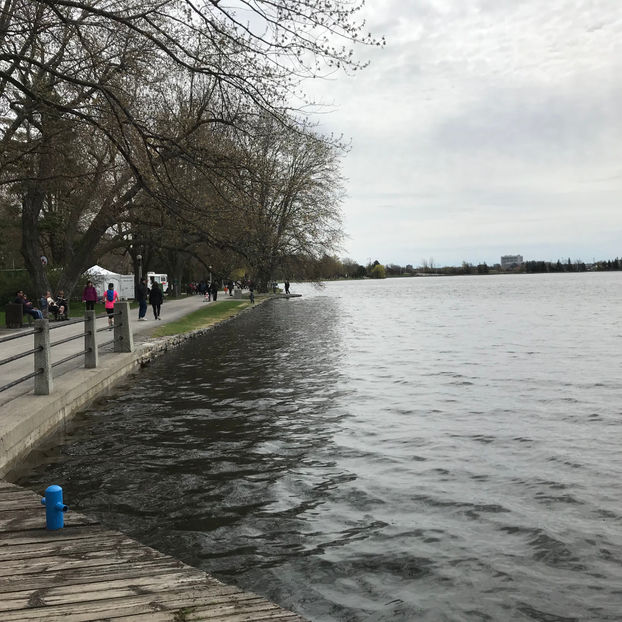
column 509, row 261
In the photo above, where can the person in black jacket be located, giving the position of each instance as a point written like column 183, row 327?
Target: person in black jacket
column 62, row 305
column 141, row 297
column 155, row 298
column 27, row 306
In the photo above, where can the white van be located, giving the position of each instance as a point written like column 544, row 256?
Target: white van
column 160, row 279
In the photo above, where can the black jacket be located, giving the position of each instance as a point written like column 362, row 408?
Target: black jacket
column 141, row 292
column 155, row 295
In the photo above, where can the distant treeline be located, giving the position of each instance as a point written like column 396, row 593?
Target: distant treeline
column 329, row 268
column 558, row 266
column 570, row 266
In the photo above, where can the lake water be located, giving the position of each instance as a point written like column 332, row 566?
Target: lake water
column 415, row 449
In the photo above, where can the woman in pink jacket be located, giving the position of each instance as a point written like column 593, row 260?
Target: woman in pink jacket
column 110, row 297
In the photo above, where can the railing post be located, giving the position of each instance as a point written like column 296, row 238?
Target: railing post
column 123, row 338
column 43, row 380
column 91, row 355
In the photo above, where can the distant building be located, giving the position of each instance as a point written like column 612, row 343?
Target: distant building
column 511, row 261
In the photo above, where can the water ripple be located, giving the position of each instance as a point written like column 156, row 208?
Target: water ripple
column 421, row 449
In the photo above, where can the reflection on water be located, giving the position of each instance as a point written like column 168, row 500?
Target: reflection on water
column 430, row 449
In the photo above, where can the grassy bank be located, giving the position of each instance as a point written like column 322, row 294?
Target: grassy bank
column 202, row 318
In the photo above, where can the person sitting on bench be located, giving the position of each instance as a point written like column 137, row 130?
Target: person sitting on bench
column 52, row 308
column 62, row 308
column 28, row 308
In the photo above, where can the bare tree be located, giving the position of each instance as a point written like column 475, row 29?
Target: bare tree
column 112, row 71
column 288, row 191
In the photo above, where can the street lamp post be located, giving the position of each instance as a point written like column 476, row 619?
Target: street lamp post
column 139, row 258
column 210, row 274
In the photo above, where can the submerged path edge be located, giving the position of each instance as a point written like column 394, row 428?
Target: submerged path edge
column 29, row 419
column 85, row 571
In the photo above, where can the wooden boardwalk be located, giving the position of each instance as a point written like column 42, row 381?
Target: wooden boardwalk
column 87, row 572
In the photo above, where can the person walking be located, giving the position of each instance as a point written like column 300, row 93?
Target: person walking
column 89, row 296
column 110, row 297
column 141, row 296
column 155, row 298
column 230, row 285
column 286, row 286
column 214, row 290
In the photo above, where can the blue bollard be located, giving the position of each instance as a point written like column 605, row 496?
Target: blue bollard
column 54, row 507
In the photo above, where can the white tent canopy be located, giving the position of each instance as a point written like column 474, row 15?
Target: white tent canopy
column 93, row 270
column 123, row 283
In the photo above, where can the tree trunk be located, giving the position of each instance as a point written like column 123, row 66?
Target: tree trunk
column 32, row 204
column 83, row 252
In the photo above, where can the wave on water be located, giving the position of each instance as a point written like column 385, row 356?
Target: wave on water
column 414, row 449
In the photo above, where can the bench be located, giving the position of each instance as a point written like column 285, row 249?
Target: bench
column 14, row 315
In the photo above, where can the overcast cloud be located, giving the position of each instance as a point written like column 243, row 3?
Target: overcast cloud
column 484, row 128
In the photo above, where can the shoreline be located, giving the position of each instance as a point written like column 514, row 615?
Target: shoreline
column 28, row 419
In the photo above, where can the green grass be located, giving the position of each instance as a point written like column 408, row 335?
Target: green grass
column 202, row 318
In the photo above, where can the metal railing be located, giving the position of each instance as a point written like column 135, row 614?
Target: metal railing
column 122, row 342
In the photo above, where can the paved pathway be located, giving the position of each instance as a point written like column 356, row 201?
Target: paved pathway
column 26, row 418
column 142, row 331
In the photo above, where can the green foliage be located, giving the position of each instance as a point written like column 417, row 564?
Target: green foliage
column 360, row 272
column 378, row 272
column 12, row 281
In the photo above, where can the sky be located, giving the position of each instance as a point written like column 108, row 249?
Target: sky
column 483, row 128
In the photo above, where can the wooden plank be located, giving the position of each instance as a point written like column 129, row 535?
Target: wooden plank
column 66, row 548
column 33, row 536
column 145, row 604
column 14, row 502
column 259, row 611
column 25, row 519
column 83, row 575
column 85, row 572
column 8, row 486
column 137, row 603
column 52, row 564
column 116, row 588
column 25, row 496
column 108, row 544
